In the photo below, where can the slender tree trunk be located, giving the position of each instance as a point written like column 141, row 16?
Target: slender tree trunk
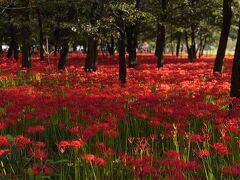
column 179, row 35
column 161, row 45
column 227, row 16
column 56, row 38
column 193, row 45
column 132, row 39
column 235, row 80
column 189, row 49
column 26, row 35
column 122, row 60
column 110, row 46
column 161, row 37
column 1, row 50
column 63, row 55
column 40, row 24
column 91, row 59
column 13, row 49
column 130, row 45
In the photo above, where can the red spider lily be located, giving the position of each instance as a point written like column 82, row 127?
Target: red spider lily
column 202, row 153
column 39, row 144
column 36, row 129
column 21, row 141
column 232, row 170
column 221, row 148
column 3, row 151
column 4, row 141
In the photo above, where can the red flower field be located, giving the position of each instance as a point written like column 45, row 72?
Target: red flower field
column 167, row 123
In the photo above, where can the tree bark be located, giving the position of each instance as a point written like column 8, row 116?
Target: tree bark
column 131, row 48
column 13, row 48
column 193, row 45
column 40, row 24
column 227, row 16
column 91, row 59
column 110, row 46
column 132, row 39
column 122, row 60
column 63, row 55
column 189, row 50
column 235, row 80
column 26, row 35
column 56, row 38
column 160, row 43
column 179, row 35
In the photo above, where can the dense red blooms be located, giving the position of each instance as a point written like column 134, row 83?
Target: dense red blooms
column 202, row 153
column 3, row 151
column 36, row 129
column 232, row 170
column 21, row 141
column 221, row 148
column 163, row 124
column 4, row 141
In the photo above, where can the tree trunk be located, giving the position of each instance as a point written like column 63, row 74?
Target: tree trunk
column 131, row 49
column 179, row 35
column 56, row 38
column 110, row 46
column 189, row 49
column 122, row 60
column 1, row 50
column 40, row 34
column 160, row 46
column 193, row 45
column 26, row 35
column 63, row 55
column 13, row 49
column 235, row 80
column 227, row 16
column 91, row 59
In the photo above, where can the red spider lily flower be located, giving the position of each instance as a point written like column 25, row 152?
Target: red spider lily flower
column 195, row 138
column 4, row 141
column 39, row 144
column 99, row 161
column 89, row 157
column 154, row 122
column 111, row 133
column 202, row 153
column 21, row 141
column 172, row 154
column 47, row 169
column 2, row 125
column 76, row 143
column 221, row 148
column 63, row 144
column 36, row 129
column 232, row 170
column 36, row 170
column 192, row 165
column 39, row 154
column 3, row 151
column 74, row 130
